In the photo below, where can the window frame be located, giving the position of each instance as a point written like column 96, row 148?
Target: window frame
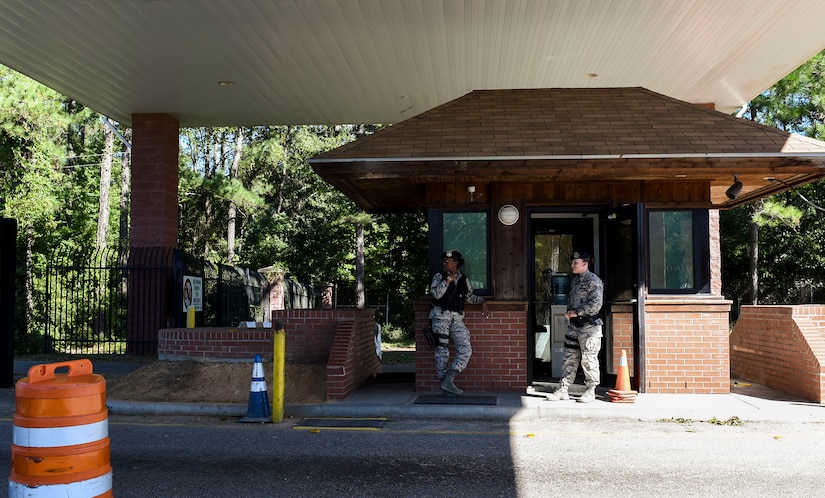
column 436, row 243
column 700, row 247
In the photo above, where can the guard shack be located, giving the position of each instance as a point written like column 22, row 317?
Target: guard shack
column 515, row 179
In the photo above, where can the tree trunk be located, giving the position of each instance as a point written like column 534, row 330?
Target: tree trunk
column 233, row 209
column 125, row 188
column 360, row 272
column 287, row 146
column 105, row 185
column 754, row 261
column 125, row 205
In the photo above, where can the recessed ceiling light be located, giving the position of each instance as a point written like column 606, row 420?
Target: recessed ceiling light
column 681, row 175
column 590, row 75
column 226, row 83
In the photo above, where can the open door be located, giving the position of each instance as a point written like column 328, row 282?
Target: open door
column 554, row 237
column 623, row 276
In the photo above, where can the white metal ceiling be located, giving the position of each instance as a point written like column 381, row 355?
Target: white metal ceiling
column 382, row 61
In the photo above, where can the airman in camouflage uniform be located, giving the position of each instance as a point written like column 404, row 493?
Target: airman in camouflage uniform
column 583, row 339
column 450, row 290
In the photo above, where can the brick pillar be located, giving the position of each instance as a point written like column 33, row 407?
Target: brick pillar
column 153, row 230
column 154, row 206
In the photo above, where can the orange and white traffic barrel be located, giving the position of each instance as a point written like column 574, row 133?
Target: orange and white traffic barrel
column 60, row 441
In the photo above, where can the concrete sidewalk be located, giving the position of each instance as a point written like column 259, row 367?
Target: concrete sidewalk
column 751, row 403
column 747, row 401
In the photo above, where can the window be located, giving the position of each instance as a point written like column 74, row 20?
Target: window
column 679, row 254
column 465, row 232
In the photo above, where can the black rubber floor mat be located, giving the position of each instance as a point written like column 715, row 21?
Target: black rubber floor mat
column 342, row 424
column 394, row 378
column 440, row 399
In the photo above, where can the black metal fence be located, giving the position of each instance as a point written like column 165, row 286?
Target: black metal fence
column 115, row 300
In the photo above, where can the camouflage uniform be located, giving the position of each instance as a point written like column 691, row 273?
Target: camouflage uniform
column 583, row 339
column 449, row 325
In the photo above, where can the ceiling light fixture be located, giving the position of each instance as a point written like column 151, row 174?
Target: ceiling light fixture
column 226, row 83
column 734, row 189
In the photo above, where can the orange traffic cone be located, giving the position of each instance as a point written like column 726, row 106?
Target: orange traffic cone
column 258, row 409
column 622, row 393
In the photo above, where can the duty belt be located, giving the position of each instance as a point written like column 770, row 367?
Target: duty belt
column 582, row 320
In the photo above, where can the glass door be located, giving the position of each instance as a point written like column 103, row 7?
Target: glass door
column 623, row 310
column 554, row 237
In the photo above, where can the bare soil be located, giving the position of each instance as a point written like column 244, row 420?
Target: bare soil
column 213, row 382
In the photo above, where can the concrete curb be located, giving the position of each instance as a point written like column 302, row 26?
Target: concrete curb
column 648, row 409
column 117, row 407
column 408, row 411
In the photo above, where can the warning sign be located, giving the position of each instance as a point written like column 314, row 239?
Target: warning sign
column 192, row 293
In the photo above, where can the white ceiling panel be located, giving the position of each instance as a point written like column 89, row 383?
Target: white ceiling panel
column 382, row 61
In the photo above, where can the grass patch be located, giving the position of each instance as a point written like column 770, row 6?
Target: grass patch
column 397, row 357
column 732, row 422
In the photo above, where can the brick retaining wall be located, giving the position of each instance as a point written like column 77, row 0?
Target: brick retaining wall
column 783, row 347
column 343, row 339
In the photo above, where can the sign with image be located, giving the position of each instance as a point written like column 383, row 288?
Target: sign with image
column 192, row 293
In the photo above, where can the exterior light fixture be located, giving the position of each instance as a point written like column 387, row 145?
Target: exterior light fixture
column 508, row 214
column 734, row 189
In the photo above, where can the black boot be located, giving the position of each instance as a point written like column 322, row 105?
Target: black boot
column 447, row 384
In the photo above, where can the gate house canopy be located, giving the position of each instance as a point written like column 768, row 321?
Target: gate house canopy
column 257, row 62
column 610, row 135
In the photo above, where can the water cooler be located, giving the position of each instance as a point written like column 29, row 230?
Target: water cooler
column 559, row 285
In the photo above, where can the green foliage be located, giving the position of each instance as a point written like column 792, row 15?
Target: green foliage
column 286, row 216
column 772, row 213
column 791, row 262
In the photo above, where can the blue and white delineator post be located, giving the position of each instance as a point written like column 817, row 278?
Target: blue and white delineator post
column 258, row 409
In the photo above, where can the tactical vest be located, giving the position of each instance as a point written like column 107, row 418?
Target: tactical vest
column 456, row 295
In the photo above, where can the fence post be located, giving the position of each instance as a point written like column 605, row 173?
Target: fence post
column 178, row 272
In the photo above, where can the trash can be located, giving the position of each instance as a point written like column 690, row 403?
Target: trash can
column 60, row 440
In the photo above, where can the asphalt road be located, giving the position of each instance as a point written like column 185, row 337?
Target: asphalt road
column 183, row 457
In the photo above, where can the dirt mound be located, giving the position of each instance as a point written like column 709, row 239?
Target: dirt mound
column 213, row 382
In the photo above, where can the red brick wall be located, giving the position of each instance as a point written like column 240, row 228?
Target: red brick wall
column 154, row 197
column 353, row 360
column 622, row 317
column 686, row 346
column 783, row 347
column 499, row 361
column 344, row 339
column 215, row 343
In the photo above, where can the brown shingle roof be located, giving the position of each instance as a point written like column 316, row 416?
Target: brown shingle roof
column 566, row 135
column 571, row 122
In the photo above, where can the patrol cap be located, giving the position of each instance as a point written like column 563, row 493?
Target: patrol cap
column 453, row 255
column 586, row 256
